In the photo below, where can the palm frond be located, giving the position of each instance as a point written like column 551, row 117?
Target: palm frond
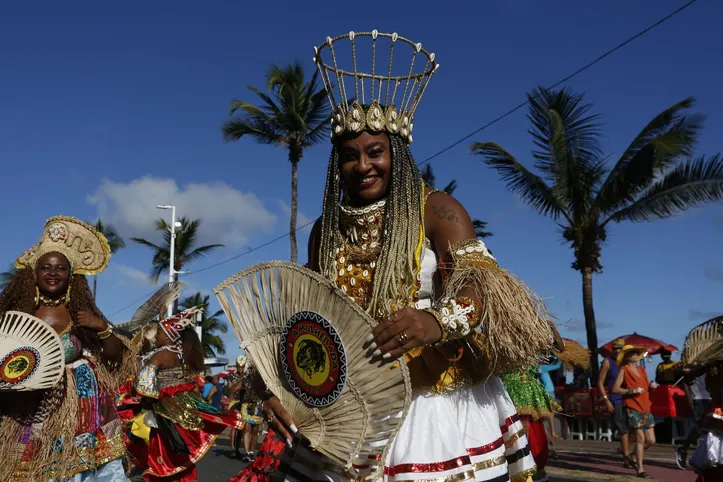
column 235, row 129
column 561, row 124
column 670, row 136
column 451, row 187
column 480, row 229
column 688, row 185
column 201, row 252
column 428, row 176
column 530, row 187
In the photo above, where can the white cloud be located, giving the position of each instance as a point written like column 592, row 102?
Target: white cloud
column 301, row 218
column 133, row 276
column 228, row 216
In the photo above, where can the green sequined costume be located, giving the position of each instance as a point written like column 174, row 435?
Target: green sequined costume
column 528, row 394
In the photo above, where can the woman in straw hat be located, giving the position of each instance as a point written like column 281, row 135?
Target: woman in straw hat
column 72, row 430
column 632, row 383
column 409, row 256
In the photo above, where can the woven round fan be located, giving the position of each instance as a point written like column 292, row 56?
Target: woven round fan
column 307, row 340
column 700, row 339
column 31, row 354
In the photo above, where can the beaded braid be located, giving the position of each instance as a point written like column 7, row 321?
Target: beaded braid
column 395, row 274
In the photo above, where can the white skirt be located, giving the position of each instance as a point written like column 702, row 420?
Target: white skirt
column 709, row 452
column 473, row 434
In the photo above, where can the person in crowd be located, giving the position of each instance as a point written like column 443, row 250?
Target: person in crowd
column 666, row 371
column 632, row 383
column 70, row 432
column 409, row 256
column 613, row 401
column 699, row 399
column 174, row 426
column 544, row 370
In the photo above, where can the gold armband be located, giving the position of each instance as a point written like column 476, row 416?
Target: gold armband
column 457, row 317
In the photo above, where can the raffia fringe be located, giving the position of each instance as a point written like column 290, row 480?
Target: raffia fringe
column 514, row 324
column 112, row 375
column 574, row 356
column 48, row 458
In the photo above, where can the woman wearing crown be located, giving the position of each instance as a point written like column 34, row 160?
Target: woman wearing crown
column 176, row 426
column 70, row 431
column 408, row 255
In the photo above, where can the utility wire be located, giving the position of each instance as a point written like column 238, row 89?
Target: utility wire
column 459, row 141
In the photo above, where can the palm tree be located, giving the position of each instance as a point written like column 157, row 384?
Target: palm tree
column 430, row 179
column 185, row 251
column 294, row 114
column 211, row 325
column 114, row 241
column 654, row 178
column 7, row 276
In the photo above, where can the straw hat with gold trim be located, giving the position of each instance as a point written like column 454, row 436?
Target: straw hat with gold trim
column 629, row 350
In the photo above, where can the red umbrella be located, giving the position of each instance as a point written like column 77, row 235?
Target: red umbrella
column 651, row 344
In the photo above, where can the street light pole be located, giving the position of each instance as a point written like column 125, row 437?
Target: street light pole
column 171, row 267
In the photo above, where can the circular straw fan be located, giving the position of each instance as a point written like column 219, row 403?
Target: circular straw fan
column 31, row 354
column 307, row 340
column 701, row 339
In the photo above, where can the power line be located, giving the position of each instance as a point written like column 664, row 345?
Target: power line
column 459, row 141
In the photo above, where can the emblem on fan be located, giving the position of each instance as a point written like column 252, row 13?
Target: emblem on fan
column 313, row 359
column 18, row 365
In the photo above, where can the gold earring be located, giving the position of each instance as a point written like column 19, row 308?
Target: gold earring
column 67, row 295
column 37, row 295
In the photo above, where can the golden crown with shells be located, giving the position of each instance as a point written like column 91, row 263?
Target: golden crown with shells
column 392, row 100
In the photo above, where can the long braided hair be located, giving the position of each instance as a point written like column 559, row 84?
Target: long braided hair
column 398, row 263
column 20, row 296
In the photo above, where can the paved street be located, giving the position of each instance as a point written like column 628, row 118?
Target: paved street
column 578, row 461
column 217, row 466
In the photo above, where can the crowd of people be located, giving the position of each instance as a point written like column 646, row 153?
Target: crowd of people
column 477, row 342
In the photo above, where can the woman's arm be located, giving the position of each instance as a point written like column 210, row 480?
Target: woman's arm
column 211, row 393
column 617, row 387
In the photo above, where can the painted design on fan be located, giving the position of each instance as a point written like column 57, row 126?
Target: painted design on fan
column 313, row 359
column 19, row 365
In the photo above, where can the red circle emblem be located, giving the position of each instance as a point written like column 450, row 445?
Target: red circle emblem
column 313, row 359
column 18, row 365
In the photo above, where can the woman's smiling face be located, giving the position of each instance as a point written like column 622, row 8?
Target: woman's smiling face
column 365, row 167
column 52, row 275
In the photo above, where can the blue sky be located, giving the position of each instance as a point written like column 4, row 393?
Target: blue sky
column 112, row 109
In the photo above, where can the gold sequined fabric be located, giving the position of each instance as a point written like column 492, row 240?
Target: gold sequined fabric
column 181, row 409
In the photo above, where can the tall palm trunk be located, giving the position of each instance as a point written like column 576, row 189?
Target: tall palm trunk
column 590, row 325
column 294, row 207
column 95, row 286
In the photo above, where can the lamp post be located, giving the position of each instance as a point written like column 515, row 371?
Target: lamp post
column 171, row 268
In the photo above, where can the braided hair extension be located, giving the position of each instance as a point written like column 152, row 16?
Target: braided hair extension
column 397, row 266
column 20, row 296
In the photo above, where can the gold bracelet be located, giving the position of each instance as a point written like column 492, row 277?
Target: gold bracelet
column 105, row 333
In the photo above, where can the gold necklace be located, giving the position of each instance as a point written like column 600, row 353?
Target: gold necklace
column 42, row 300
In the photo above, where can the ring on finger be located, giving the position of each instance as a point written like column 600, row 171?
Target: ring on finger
column 402, row 339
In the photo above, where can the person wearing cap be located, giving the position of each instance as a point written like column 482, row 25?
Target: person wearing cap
column 665, row 372
column 614, row 402
column 632, row 383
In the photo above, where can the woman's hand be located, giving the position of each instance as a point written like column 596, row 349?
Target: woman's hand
column 280, row 418
column 408, row 329
column 89, row 320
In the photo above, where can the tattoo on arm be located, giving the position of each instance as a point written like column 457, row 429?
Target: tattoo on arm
column 445, row 214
